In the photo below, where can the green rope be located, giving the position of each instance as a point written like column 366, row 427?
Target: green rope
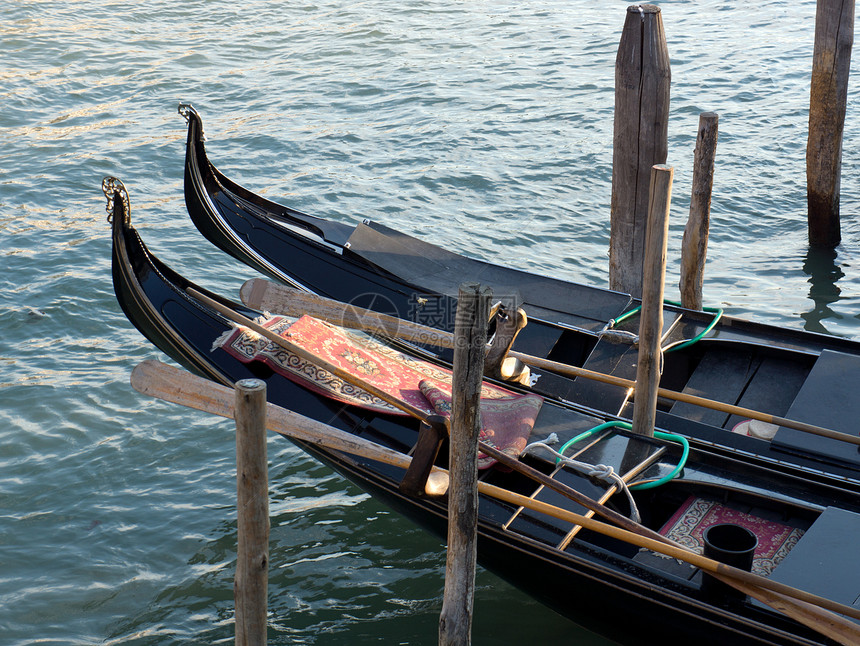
column 716, row 311
column 591, row 432
column 624, row 316
column 685, row 452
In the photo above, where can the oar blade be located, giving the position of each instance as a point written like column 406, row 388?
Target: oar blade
column 177, row 386
column 162, row 381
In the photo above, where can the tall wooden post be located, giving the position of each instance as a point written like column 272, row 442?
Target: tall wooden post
column 651, row 317
column 828, row 97
column 250, row 589
column 470, row 339
column 694, row 248
column 640, row 140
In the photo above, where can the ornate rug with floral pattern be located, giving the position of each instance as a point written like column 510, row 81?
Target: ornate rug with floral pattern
column 775, row 539
column 506, row 417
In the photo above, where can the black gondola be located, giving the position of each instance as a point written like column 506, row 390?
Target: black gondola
column 612, row 587
column 765, row 368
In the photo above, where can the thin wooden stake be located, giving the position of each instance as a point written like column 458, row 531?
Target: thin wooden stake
column 252, row 488
column 828, row 98
column 651, row 317
column 694, row 248
column 470, row 339
column 640, row 139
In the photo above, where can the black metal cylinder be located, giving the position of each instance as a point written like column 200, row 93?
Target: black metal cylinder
column 730, row 544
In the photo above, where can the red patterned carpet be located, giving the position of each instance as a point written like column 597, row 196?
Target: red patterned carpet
column 775, row 539
column 506, row 417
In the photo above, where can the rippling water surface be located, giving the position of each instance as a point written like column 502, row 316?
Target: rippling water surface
column 483, row 127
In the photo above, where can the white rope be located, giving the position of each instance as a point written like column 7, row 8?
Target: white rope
column 617, row 336
column 602, row 472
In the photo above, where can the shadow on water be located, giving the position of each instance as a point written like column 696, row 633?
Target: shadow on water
column 824, row 272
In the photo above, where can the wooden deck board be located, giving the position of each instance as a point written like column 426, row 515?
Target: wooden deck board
column 720, row 376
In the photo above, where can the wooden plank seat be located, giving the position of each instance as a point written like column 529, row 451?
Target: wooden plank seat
column 720, row 376
column 610, row 359
column 828, row 398
column 826, row 558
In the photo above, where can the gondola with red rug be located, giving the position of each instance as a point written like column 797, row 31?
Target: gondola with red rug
column 779, row 371
column 597, row 579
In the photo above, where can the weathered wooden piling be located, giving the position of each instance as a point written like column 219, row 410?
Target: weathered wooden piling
column 640, row 139
column 651, row 316
column 250, row 588
column 694, row 248
column 470, row 338
column 828, row 98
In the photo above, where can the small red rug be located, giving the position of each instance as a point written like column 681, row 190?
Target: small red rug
column 775, row 539
column 506, row 422
column 507, row 417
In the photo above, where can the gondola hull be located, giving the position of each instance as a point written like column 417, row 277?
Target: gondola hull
column 759, row 367
column 595, row 582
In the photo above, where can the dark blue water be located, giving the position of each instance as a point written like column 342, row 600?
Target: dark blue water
column 483, row 127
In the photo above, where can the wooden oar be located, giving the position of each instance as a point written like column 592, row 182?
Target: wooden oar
column 726, row 573
column 159, row 380
column 262, row 294
column 238, row 318
column 180, row 387
column 731, row 409
column 417, row 413
column 346, row 376
column 834, row 626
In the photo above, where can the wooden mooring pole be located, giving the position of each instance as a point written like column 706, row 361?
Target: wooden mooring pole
column 651, row 317
column 694, row 248
column 828, row 98
column 470, row 338
column 250, row 589
column 640, row 139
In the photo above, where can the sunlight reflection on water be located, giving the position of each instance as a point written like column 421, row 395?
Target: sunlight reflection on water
column 485, row 129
